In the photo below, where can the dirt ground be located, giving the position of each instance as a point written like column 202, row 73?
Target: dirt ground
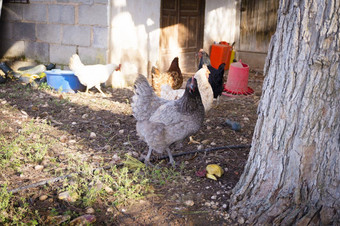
column 192, row 200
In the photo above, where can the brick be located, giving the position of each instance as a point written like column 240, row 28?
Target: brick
column 76, row 1
column 60, row 54
column 77, row 35
column 93, row 55
column 62, row 14
column 49, row 33
column 37, row 51
column 101, row 1
column 11, row 48
column 24, row 31
column 12, row 12
column 100, row 37
column 93, row 15
column 7, row 27
column 35, row 12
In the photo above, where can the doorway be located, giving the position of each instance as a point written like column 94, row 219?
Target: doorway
column 182, row 26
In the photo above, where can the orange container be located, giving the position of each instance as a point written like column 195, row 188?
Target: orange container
column 220, row 53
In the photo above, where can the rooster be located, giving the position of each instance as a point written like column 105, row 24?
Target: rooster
column 91, row 75
column 160, row 122
column 204, row 87
column 216, row 77
column 173, row 77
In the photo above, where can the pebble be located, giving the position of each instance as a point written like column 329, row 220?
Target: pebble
column 205, row 141
column 84, row 220
column 108, row 189
column 43, row 197
column 224, row 206
column 39, row 167
column 241, row 220
column 92, row 135
column 107, row 147
column 200, row 147
column 121, row 131
column 213, row 197
column 74, row 123
column 110, row 210
column 67, row 196
column 189, row 203
column 84, row 116
column 212, row 143
column 89, row 210
column 63, row 139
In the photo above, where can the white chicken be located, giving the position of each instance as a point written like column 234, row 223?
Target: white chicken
column 204, row 87
column 91, row 75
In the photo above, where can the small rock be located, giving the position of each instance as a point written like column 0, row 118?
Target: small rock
column 72, row 141
column 189, row 203
column 92, row 135
column 107, row 147
column 208, row 204
column 121, row 131
column 240, row 220
column 84, row 116
column 83, row 220
column 110, row 210
column 74, row 123
column 39, row 167
column 58, row 220
column 67, row 196
column 200, row 147
column 212, row 143
column 224, row 206
column 208, row 127
column 213, row 197
column 108, row 189
column 89, row 210
column 205, row 142
column 63, row 139
column 43, row 197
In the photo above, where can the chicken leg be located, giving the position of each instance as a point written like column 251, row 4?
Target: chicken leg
column 171, row 159
column 99, row 89
column 147, row 158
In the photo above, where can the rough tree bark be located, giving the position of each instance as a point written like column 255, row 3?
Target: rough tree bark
column 293, row 171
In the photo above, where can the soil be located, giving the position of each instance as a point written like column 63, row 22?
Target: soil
column 191, row 201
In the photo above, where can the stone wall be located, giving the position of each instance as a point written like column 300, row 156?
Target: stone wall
column 53, row 30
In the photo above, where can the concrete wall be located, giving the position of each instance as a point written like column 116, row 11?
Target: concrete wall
column 219, row 22
column 135, row 31
column 51, row 31
column 106, row 31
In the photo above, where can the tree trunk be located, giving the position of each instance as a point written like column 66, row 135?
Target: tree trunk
column 293, row 171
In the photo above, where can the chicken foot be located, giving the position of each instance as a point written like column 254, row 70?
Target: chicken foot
column 171, row 159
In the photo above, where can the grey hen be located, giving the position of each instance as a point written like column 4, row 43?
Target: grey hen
column 160, row 122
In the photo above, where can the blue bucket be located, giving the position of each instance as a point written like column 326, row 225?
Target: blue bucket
column 64, row 80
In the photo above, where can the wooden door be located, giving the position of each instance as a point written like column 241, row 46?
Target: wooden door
column 182, row 24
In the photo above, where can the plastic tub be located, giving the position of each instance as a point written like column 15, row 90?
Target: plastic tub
column 237, row 82
column 64, row 81
column 220, row 53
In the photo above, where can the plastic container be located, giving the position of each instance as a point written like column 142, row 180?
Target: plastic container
column 237, row 82
column 220, row 53
column 64, row 80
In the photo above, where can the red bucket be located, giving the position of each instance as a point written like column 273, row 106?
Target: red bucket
column 237, row 82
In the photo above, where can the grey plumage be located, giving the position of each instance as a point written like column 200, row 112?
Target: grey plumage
column 160, row 122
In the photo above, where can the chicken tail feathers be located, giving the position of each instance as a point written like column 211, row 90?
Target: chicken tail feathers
column 145, row 101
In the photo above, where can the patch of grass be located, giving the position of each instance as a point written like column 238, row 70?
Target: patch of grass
column 29, row 145
column 15, row 211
